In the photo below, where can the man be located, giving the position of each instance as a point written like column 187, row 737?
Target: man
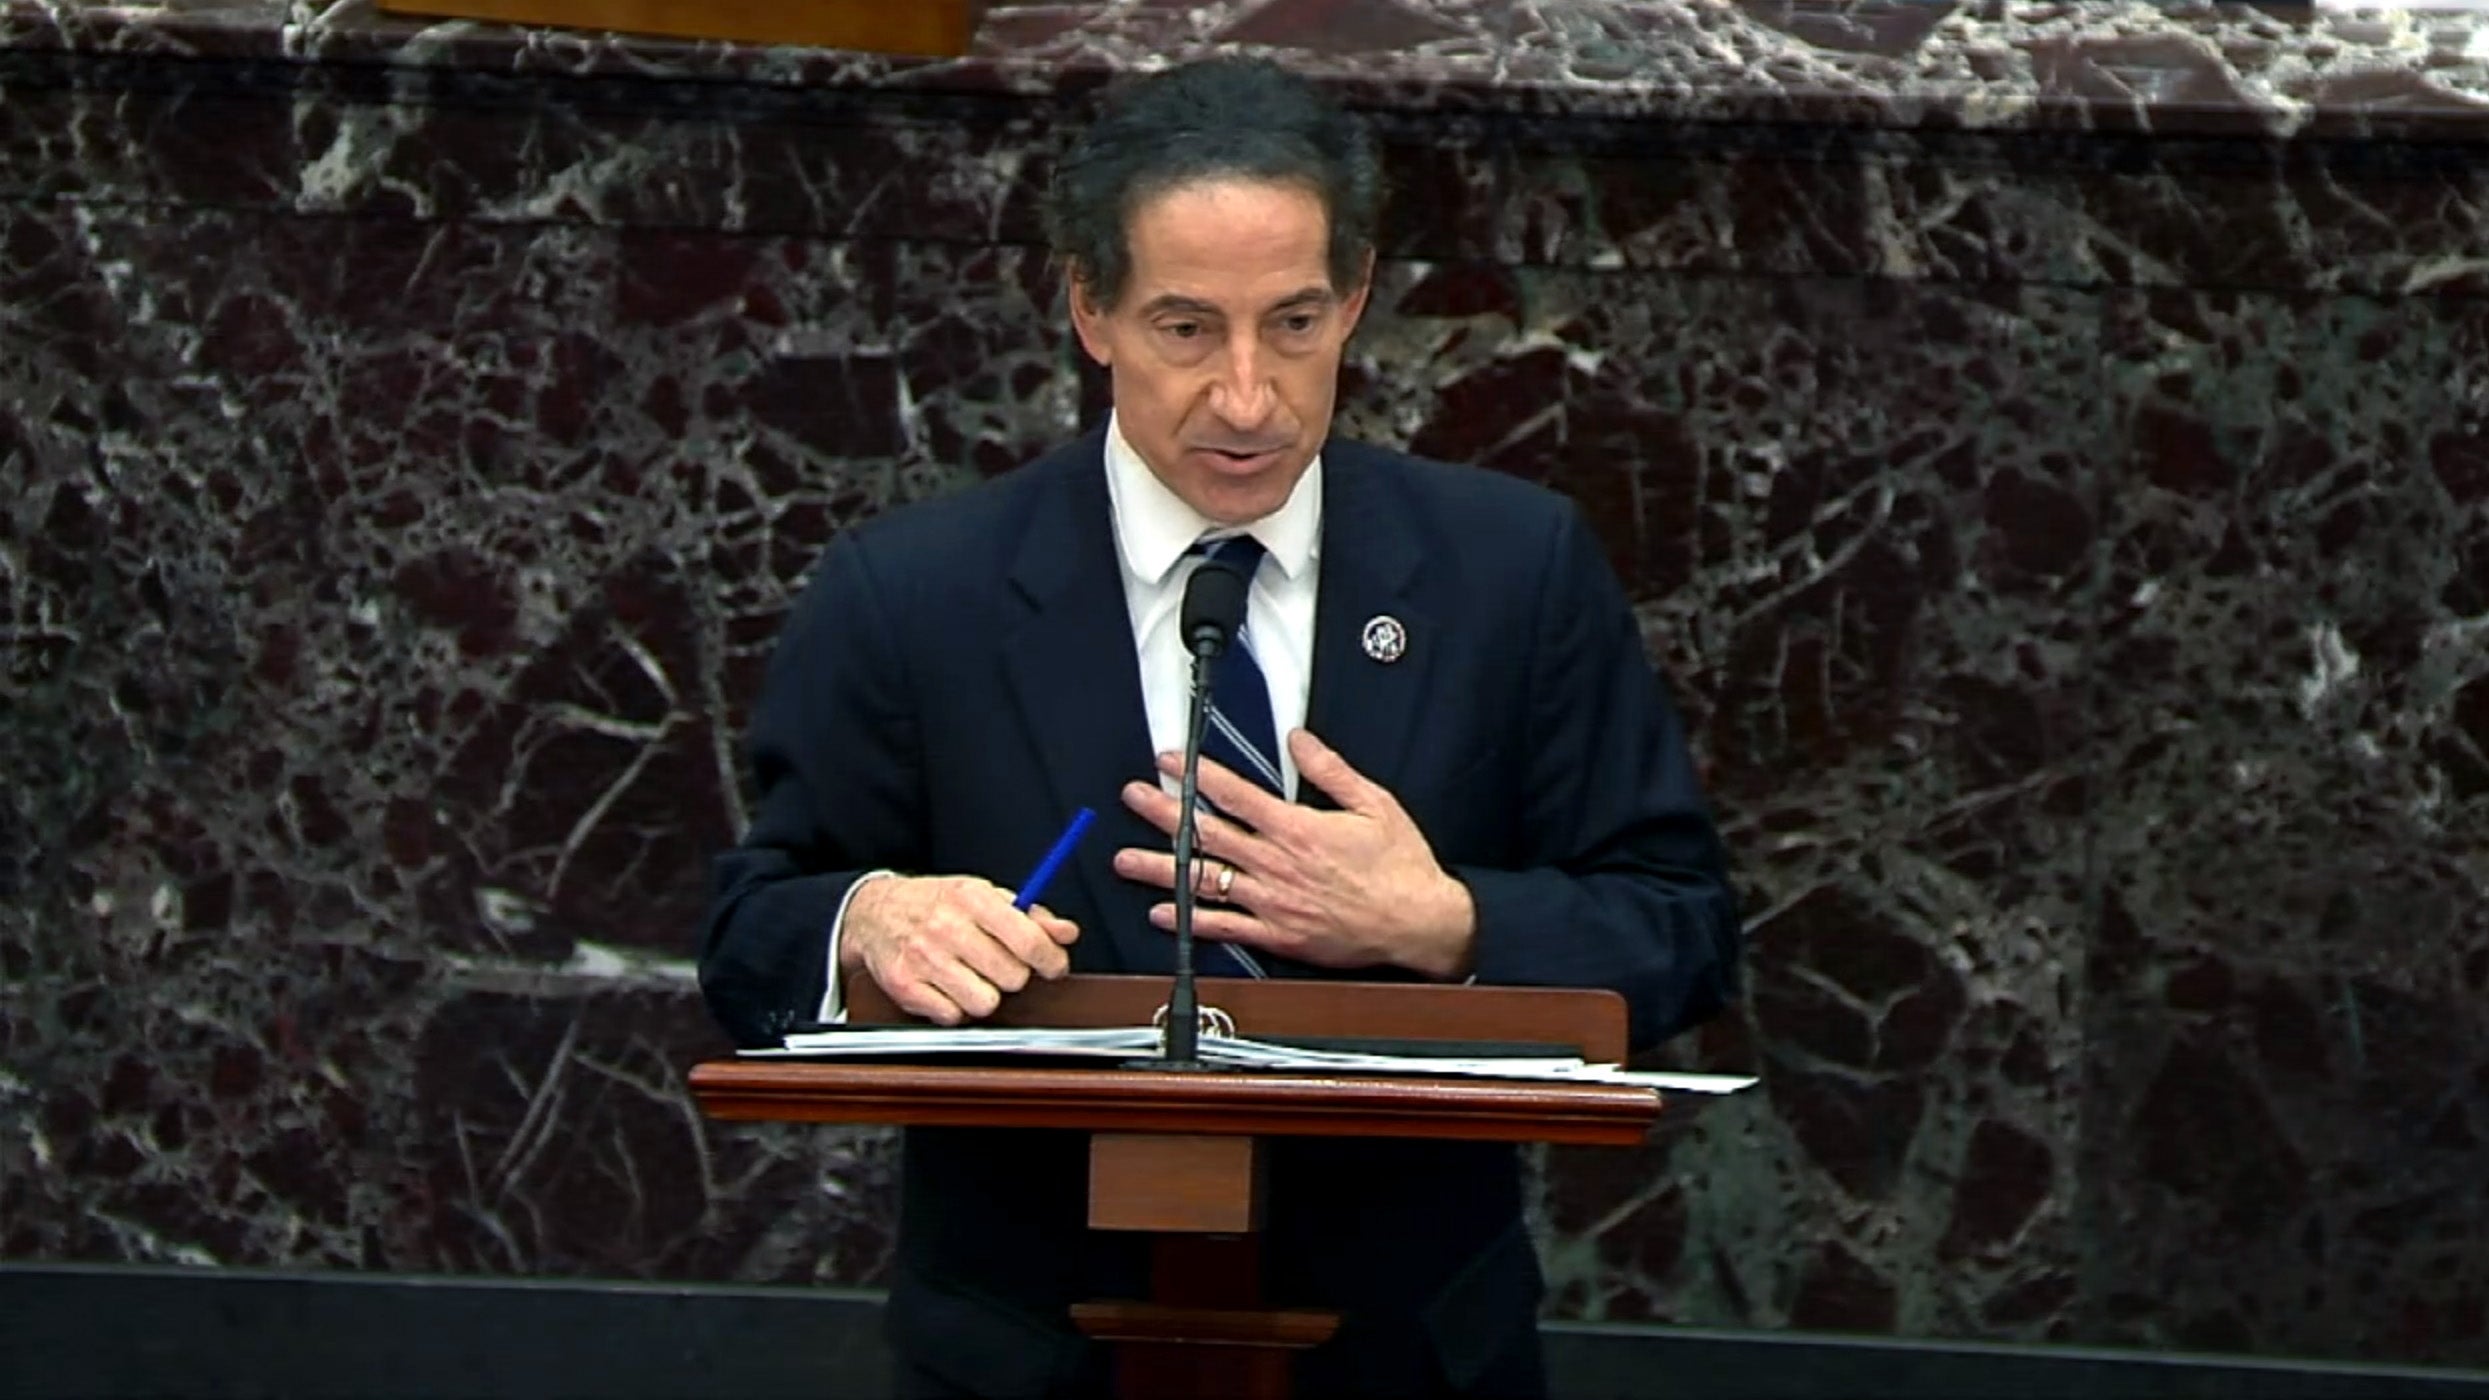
column 1488, row 782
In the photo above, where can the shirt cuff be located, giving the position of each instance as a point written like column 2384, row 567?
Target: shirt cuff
column 833, row 1003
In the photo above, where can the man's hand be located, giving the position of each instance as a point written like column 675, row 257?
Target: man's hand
column 948, row 947
column 1350, row 888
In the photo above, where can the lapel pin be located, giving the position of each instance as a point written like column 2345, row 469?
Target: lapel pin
column 1385, row 639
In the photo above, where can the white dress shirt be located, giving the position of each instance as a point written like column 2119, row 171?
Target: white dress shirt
column 1153, row 529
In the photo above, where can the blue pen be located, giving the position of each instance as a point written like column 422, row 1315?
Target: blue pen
column 1035, row 884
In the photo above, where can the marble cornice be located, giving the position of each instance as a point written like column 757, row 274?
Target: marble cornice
column 2097, row 65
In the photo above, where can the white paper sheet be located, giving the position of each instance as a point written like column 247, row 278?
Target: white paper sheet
column 1127, row 1042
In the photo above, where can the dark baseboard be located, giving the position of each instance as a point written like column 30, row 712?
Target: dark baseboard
column 71, row 1330
column 1646, row 1363
column 106, row 1331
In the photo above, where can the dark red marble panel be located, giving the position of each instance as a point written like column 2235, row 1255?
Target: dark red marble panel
column 389, row 596
column 2286, row 1069
column 1587, row 190
column 406, row 458
column 2111, row 66
column 1872, row 589
column 562, row 1139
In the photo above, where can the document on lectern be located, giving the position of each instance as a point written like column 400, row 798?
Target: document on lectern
column 1234, row 1051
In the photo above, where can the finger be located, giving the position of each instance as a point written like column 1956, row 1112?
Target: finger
column 961, row 960
column 1058, row 928
column 1147, row 867
column 976, row 997
column 1158, row 868
column 1220, row 925
column 962, row 953
column 1151, row 804
column 1207, row 875
column 1320, row 764
column 1019, row 945
column 1236, row 796
column 1230, row 841
column 1218, row 836
column 1045, row 954
column 926, row 1000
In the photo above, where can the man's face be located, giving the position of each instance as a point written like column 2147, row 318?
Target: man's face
column 1225, row 346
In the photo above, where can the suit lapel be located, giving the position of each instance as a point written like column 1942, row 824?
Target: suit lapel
column 1372, row 555
column 1075, row 680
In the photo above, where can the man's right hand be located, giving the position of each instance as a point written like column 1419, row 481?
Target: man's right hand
column 948, row 947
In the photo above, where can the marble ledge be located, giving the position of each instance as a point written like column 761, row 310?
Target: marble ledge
column 2126, row 66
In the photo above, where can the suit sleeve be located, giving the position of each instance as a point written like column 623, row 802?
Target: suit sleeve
column 836, row 766
column 1622, row 881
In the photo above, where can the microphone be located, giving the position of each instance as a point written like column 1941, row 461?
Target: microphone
column 1214, row 607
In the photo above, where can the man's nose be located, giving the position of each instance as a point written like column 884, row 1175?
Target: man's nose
column 1243, row 396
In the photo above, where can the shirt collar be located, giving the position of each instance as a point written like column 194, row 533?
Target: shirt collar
column 1153, row 525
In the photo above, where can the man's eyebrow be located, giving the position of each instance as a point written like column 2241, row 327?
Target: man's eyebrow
column 1191, row 306
column 1175, row 303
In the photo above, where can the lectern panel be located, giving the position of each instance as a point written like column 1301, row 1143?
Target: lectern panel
column 1192, row 1183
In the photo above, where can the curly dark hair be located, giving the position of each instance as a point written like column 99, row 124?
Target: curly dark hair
column 1215, row 118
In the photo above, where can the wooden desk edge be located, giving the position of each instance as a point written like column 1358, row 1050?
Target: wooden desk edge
column 1114, row 1100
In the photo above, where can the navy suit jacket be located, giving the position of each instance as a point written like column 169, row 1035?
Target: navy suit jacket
column 960, row 676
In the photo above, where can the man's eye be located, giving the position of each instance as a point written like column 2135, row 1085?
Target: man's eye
column 1300, row 323
column 1183, row 330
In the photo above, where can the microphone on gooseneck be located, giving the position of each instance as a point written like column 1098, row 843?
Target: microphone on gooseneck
column 1214, row 607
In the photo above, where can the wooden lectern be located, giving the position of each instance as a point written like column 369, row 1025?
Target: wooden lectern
column 934, row 28
column 1178, row 1155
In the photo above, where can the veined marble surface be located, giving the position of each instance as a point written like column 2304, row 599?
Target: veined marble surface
column 2090, row 64
column 2060, row 501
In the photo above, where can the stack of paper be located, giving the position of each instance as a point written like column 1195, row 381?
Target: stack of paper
column 1133, row 1042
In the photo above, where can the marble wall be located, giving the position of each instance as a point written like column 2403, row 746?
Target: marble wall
column 2072, row 550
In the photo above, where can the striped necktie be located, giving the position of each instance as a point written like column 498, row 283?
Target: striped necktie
column 1241, row 732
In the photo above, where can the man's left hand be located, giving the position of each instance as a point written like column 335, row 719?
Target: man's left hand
column 1351, row 888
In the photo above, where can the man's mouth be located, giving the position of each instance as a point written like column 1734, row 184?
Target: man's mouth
column 1241, row 455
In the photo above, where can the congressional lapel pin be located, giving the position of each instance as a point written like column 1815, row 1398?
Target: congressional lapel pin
column 1385, row 639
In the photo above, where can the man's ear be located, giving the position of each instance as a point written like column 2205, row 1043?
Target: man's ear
column 1088, row 318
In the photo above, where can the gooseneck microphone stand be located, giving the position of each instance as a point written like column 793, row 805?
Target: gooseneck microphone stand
column 1214, row 605
column 1183, row 1048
